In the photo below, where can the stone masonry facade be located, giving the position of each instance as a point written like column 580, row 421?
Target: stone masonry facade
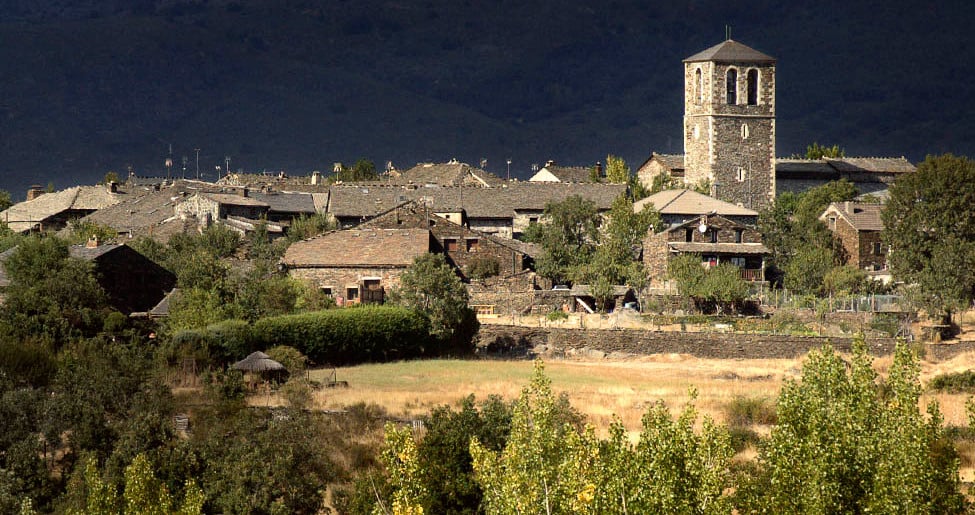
column 732, row 146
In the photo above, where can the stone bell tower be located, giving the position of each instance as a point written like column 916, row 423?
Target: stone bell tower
column 729, row 123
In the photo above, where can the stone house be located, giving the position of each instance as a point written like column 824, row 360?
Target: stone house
column 503, row 211
column 680, row 206
column 871, row 175
column 858, row 227
column 210, row 207
column 715, row 239
column 54, row 211
column 462, row 246
column 659, row 164
column 132, row 282
column 357, row 265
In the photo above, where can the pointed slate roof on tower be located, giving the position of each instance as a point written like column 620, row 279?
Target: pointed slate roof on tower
column 730, row 51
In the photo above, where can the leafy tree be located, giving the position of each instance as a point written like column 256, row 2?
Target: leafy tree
column 845, row 280
column 613, row 261
column 817, row 151
column 430, row 287
column 617, row 171
column 806, row 270
column 672, row 469
column 307, row 226
column 80, row 231
column 665, row 181
column 362, row 170
column 545, row 466
column 568, row 238
column 110, row 177
column 791, row 229
column 51, row 294
column 5, row 200
column 929, row 223
column 843, row 445
column 721, row 286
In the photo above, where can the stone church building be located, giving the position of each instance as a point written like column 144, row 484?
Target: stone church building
column 729, row 137
column 729, row 123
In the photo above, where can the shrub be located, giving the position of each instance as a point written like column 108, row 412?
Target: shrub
column 746, row 411
column 346, row 336
column 482, row 267
column 957, row 382
column 886, row 323
column 556, row 316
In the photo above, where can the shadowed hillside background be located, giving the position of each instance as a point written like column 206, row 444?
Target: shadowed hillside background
column 92, row 86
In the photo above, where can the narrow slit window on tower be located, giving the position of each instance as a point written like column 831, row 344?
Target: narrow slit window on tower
column 741, row 174
column 752, row 87
column 731, row 81
column 699, row 86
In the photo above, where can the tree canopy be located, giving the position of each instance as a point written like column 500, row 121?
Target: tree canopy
column 929, row 224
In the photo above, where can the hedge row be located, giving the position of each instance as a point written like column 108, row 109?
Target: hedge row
column 352, row 335
column 335, row 336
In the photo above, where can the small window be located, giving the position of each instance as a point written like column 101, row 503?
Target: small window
column 878, row 249
column 744, row 131
column 327, row 290
column 738, row 235
column 533, row 220
column 738, row 261
column 714, row 235
column 450, row 245
column 731, row 81
column 752, row 79
column 472, row 245
column 741, row 174
column 832, row 223
column 698, row 86
column 352, row 293
column 688, row 235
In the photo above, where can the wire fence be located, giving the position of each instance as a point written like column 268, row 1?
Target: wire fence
column 852, row 304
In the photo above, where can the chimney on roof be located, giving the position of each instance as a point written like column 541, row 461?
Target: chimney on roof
column 846, row 207
column 112, row 187
column 244, row 191
column 599, row 169
column 550, row 162
column 316, row 177
column 92, row 242
column 34, row 191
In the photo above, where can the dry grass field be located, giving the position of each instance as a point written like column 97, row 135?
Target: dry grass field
column 603, row 389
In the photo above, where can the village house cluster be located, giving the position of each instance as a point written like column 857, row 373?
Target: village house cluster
column 470, row 215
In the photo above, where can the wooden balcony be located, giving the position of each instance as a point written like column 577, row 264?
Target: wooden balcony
column 752, row 274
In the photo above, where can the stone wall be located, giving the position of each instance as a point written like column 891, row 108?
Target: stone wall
column 517, row 340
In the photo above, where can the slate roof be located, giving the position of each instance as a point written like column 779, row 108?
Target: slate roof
column 568, row 173
column 230, row 199
column 872, row 164
column 281, row 202
column 688, row 202
column 151, row 213
column 718, row 248
column 446, row 174
column 91, row 253
column 359, row 248
column 366, row 201
column 861, row 216
column 731, row 51
column 23, row 216
column 672, row 161
column 830, row 168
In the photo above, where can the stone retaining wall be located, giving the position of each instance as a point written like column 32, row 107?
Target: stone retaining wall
column 500, row 340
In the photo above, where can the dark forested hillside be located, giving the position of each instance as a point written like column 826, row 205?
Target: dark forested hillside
column 93, row 86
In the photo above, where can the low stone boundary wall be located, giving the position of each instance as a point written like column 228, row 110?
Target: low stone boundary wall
column 501, row 340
